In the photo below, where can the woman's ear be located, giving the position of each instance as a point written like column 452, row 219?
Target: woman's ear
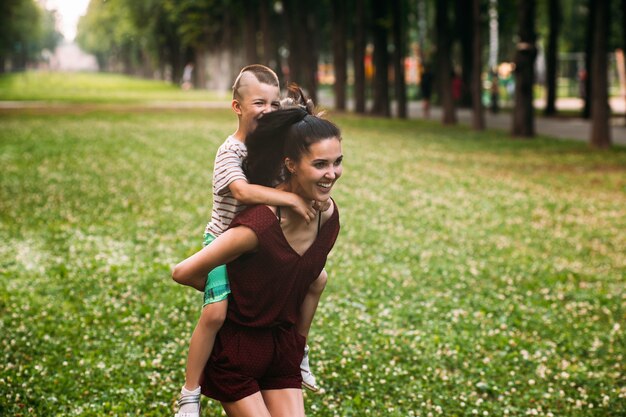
column 290, row 165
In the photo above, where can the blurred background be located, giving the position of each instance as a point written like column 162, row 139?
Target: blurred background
column 333, row 48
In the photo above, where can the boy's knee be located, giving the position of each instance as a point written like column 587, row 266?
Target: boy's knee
column 177, row 279
column 177, row 276
column 213, row 315
column 320, row 283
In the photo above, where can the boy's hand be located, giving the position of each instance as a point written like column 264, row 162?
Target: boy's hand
column 321, row 205
column 304, row 208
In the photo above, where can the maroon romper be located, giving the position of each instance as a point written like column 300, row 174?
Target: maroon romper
column 258, row 347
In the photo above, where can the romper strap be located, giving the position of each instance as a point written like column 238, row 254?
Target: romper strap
column 319, row 222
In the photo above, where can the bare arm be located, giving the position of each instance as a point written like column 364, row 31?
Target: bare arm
column 248, row 194
column 228, row 246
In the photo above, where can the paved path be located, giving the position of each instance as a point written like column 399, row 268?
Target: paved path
column 557, row 127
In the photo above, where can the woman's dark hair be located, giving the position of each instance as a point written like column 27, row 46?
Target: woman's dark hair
column 284, row 133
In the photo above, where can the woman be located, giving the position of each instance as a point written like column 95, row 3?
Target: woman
column 272, row 257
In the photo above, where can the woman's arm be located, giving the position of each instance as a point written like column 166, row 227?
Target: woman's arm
column 228, row 246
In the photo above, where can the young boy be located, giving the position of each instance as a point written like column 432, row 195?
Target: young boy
column 255, row 92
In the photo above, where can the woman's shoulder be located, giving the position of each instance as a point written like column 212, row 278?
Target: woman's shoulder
column 331, row 212
column 258, row 217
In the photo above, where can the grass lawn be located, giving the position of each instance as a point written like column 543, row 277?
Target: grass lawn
column 94, row 88
column 474, row 274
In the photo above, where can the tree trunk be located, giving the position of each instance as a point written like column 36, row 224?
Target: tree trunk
column 600, row 130
column 174, row 57
column 588, row 53
column 293, row 62
column 310, row 48
column 494, row 28
column 624, row 33
column 339, row 53
column 266, row 33
column 227, row 46
column 381, row 59
column 359, row 57
column 199, row 68
column 298, row 49
column 523, row 113
column 444, row 64
column 478, row 113
column 554, row 14
column 249, row 31
column 147, row 70
column 398, row 31
column 465, row 35
column 127, row 60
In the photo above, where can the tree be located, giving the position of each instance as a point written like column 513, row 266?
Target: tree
column 380, row 26
column 270, row 51
column 359, row 56
column 624, row 29
column 444, row 64
column 302, row 44
column 478, row 113
column 339, row 52
column 159, row 32
column 554, row 14
column 464, row 19
column 108, row 32
column 523, row 112
column 250, row 10
column 588, row 87
column 311, row 46
column 201, row 24
column 25, row 30
column 600, row 131
column 398, row 14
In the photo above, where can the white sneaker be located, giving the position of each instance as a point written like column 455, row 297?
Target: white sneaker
column 189, row 403
column 308, row 379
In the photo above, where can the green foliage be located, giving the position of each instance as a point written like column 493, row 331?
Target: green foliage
column 25, row 30
column 108, row 32
column 199, row 21
column 474, row 274
column 125, row 31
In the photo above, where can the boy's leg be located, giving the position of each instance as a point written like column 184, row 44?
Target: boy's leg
column 307, row 312
column 201, row 344
column 200, row 347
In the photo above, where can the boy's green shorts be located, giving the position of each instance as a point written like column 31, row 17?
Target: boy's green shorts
column 217, row 287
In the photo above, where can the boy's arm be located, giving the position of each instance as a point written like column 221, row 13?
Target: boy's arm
column 228, row 246
column 249, row 194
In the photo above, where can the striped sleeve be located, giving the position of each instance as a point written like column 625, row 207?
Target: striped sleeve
column 228, row 167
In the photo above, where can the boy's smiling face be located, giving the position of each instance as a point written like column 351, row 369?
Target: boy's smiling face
column 254, row 100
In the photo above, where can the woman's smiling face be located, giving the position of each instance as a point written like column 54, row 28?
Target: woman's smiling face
column 317, row 171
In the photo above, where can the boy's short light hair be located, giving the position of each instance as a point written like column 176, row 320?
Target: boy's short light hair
column 262, row 73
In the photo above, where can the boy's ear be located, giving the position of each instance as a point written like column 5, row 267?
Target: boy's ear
column 236, row 106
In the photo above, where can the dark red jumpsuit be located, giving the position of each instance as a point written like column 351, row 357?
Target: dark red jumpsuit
column 258, row 347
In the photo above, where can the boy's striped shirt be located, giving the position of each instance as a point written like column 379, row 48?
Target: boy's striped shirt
column 227, row 168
